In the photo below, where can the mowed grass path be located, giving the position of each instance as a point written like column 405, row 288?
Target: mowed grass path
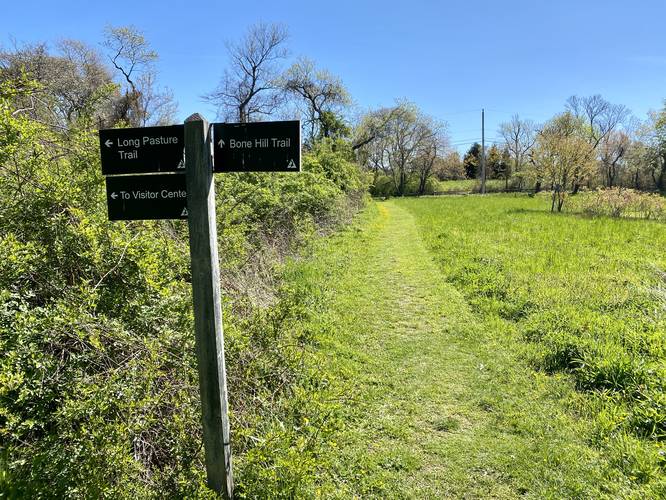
column 438, row 405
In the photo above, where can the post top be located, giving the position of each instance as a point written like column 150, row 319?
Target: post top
column 195, row 117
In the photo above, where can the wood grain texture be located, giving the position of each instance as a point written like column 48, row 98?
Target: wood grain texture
column 207, row 304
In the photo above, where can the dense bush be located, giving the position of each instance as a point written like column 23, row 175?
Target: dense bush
column 621, row 203
column 98, row 381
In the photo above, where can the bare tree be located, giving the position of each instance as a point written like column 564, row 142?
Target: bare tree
column 373, row 125
column 519, row 137
column 612, row 151
column 250, row 86
column 129, row 52
column 601, row 118
column 131, row 55
column 71, row 82
column 408, row 145
column 432, row 144
column 323, row 95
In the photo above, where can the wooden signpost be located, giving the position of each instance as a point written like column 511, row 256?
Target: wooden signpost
column 188, row 191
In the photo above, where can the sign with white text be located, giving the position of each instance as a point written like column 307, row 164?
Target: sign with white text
column 142, row 150
column 144, row 197
column 257, row 147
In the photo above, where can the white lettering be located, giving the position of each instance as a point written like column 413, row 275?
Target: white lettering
column 134, row 143
column 234, row 143
column 128, row 155
column 166, row 194
column 159, row 141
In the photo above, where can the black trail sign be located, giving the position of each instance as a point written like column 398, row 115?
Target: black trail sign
column 257, row 147
column 138, row 197
column 141, row 150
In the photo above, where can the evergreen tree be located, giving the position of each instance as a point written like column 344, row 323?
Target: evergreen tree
column 493, row 162
column 472, row 161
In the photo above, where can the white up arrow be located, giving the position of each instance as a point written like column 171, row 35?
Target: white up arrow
column 221, row 143
column 109, row 143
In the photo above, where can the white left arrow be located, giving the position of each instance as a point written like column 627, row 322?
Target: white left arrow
column 109, row 143
column 114, row 195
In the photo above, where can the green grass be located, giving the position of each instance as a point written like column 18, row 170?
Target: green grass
column 468, row 185
column 482, row 347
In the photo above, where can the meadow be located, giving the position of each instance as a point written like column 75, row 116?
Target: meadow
column 585, row 297
column 485, row 347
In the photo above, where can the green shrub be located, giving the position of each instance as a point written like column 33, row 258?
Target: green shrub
column 621, row 202
column 98, row 381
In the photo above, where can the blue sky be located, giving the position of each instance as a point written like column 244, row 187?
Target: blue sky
column 450, row 58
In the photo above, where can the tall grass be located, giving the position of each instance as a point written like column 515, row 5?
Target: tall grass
column 587, row 296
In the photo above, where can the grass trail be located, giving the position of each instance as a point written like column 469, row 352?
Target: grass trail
column 439, row 407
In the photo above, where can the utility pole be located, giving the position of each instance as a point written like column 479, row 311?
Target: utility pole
column 483, row 152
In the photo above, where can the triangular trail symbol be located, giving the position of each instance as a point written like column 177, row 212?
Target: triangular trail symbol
column 184, row 212
column 181, row 163
column 291, row 164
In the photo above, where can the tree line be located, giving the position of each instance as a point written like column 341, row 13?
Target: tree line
column 591, row 144
column 399, row 145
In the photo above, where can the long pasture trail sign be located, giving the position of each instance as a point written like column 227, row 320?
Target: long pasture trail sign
column 257, row 147
column 142, row 150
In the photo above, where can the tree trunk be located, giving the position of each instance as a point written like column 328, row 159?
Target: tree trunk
column 422, row 185
column 552, row 202
column 401, row 184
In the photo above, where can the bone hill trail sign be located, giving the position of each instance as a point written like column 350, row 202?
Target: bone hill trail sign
column 257, row 147
column 142, row 150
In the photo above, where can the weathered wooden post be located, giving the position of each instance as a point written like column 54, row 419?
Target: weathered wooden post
column 207, row 304
column 165, row 193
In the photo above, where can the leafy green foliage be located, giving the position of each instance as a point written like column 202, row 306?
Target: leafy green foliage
column 383, row 186
column 620, row 202
column 98, row 380
column 472, row 161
